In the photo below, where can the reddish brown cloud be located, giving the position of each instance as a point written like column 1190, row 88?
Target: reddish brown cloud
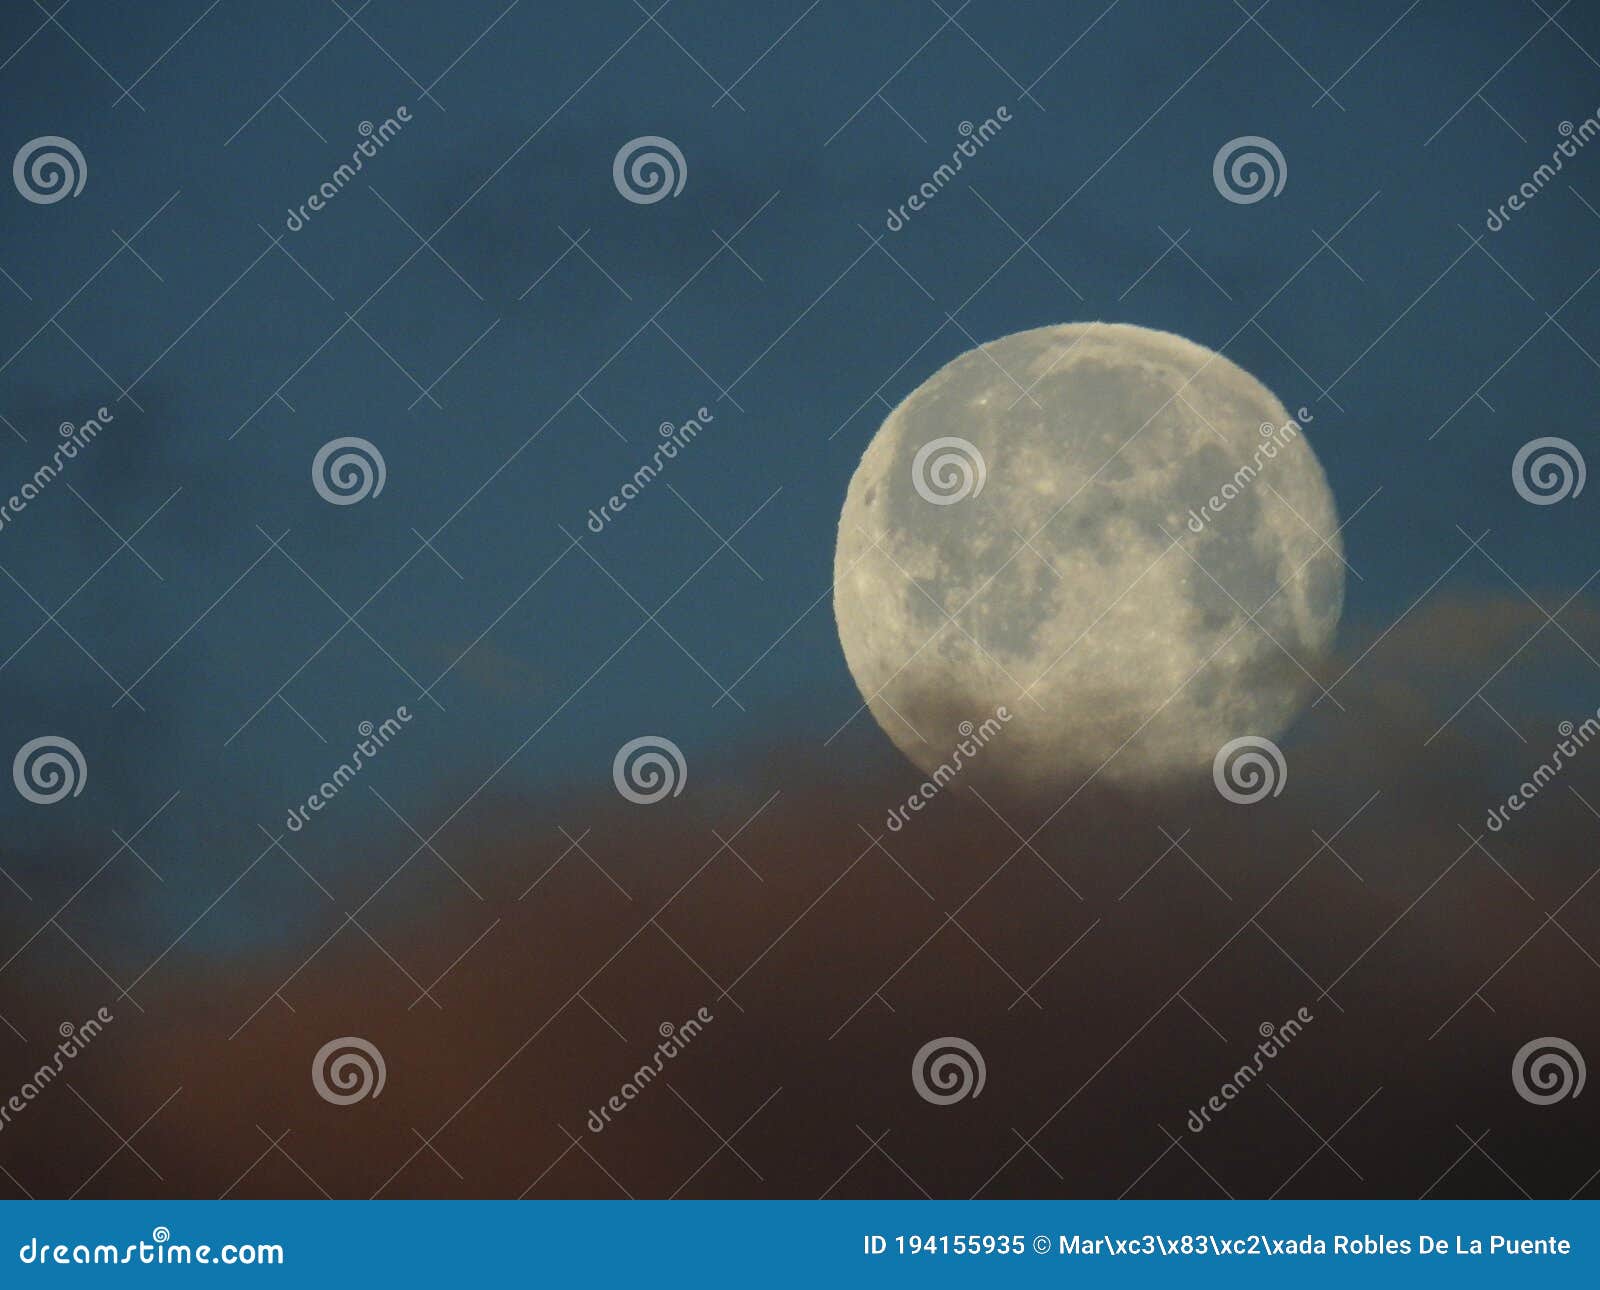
column 1112, row 979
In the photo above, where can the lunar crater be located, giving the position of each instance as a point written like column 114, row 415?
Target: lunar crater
column 1126, row 568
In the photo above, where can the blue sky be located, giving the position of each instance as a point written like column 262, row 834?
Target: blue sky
column 769, row 292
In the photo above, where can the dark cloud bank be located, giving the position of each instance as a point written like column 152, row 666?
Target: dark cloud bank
column 1110, row 992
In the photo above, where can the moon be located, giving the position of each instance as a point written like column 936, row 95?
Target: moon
column 1086, row 550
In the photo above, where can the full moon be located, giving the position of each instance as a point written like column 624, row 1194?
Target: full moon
column 1110, row 544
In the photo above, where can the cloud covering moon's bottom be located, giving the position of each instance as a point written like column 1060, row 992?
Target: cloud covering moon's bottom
column 1117, row 535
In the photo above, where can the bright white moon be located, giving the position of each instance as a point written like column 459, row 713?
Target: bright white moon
column 1114, row 533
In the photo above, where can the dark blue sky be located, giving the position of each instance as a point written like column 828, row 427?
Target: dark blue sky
column 757, row 293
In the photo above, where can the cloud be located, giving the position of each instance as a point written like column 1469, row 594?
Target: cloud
column 1112, row 960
